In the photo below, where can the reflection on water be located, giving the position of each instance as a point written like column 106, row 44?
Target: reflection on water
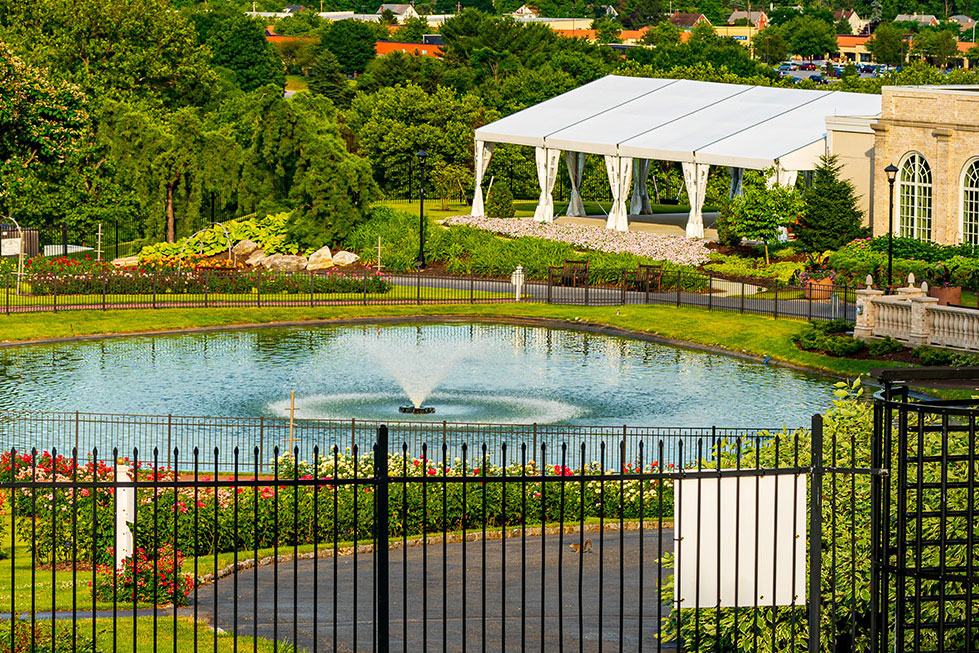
column 500, row 374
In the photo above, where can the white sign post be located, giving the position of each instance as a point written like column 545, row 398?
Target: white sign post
column 740, row 541
column 517, row 280
column 125, row 514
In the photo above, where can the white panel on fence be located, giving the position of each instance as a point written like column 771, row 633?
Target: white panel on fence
column 10, row 247
column 760, row 545
column 125, row 514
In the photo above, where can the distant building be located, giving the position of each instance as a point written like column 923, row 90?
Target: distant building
column 965, row 22
column 758, row 19
column 925, row 20
column 857, row 24
column 417, row 49
column 293, row 9
column 400, row 11
column 525, row 11
column 688, row 21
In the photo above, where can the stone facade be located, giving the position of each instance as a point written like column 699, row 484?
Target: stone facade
column 942, row 125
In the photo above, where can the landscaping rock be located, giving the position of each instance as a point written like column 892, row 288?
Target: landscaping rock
column 126, row 262
column 343, row 258
column 321, row 259
column 284, row 263
column 243, row 249
column 255, row 258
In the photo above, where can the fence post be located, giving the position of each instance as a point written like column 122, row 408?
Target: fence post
column 472, row 288
column 207, row 286
column 105, row 282
column 548, row 287
column 776, row 299
column 535, row 440
column 678, row 273
column 125, row 513
column 365, row 288
column 710, row 292
column 418, row 288
column 810, row 293
column 258, row 297
column 381, row 534
column 742, row 297
column 7, row 285
column 56, row 293
column 587, row 282
column 815, row 531
column 622, row 298
column 155, row 275
column 117, row 238
column 169, row 437
column 261, row 444
column 311, row 300
column 64, row 239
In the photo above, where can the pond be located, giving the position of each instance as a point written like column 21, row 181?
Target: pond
column 468, row 373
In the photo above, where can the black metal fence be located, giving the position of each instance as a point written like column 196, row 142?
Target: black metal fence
column 224, row 288
column 701, row 547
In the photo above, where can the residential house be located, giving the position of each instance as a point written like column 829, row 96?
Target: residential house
column 416, row 49
column 688, row 21
column 293, row 9
column 925, row 20
column 758, row 19
column 857, row 24
column 525, row 11
column 400, row 11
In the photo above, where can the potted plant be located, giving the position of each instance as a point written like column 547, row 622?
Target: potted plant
column 942, row 285
column 817, row 278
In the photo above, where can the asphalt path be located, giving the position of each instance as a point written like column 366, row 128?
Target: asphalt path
column 449, row 600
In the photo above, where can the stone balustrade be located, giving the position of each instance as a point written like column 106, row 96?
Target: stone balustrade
column 913, row 317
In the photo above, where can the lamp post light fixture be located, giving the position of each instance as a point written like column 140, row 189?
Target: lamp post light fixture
column 420, row 263
column 891, row 172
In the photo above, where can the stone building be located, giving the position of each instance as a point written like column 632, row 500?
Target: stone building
column 932, row 135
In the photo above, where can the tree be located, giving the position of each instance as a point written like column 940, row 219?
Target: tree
column 665, row 33
column 640, row 13
column 938, row 45
column 831, row 217
column 413, row 30
column 388, row 18
column 403, row 68
column 352, row 43
column 452, row 181
column 888, row 46
column 762, row 210
column 607, row 30
column 769, row 45
column 326, row 79
column 781, row 15
column 239, row 44
column 843, row 26
column 810, row 37
column 298, row 54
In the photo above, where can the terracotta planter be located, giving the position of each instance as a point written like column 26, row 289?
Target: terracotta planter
column 946, row 294
column 818, row 288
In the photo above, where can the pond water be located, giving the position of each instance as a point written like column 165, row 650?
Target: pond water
column 479, row 373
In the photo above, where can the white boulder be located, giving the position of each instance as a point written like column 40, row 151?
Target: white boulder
column 321, row 259
column 255, row 258
column 284, row 263
column 126, row 262
column 344, row 257
column 243, row 249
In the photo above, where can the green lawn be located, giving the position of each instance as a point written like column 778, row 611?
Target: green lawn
column 752, row 334
column 206, row 640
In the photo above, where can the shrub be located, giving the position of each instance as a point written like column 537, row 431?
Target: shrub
column 831, row 217
column 39, row 638
column 820, row 336
column 142, row 579
column 886, row 346
column 725, row 225
column 738, row 266
column 933, row 356
column 499, row 202
column 268, row 232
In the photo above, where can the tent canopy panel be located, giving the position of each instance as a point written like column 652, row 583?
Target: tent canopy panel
column 532, row 125
column 602, row 134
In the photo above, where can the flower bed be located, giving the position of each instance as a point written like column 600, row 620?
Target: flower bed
column 673, row 249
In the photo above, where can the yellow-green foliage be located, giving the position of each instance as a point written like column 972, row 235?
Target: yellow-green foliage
column 268, row 232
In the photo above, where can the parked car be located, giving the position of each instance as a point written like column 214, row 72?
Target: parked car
column 807, row 66
column 817, row 79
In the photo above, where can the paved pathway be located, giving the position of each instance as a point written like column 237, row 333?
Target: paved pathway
column 512, row 603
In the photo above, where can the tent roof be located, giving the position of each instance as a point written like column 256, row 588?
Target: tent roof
column 684, row 120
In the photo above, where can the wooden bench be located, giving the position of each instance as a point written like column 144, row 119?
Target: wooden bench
column 572, row 273
column 647, row 278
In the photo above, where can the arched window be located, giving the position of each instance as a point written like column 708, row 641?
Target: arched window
column 970, row 204
column 914, row 198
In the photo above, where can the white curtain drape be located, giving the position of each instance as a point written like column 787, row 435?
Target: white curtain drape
column 695, row 178
column 483, row 153
column 737, row 182
column 575, row 163
column 782, row 177
column 619, row 178
column 547, row 162
column 639, row 205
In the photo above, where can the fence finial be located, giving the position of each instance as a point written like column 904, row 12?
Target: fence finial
column 924, row 287
column 910, row 279
column 870, row 282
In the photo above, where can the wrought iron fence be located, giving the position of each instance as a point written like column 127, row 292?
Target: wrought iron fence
column 226, row 288
column 651, row 550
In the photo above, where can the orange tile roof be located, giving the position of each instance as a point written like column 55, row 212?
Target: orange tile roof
column 847, row 41
column 420, row 49
column 965, row 46
column 591, row 35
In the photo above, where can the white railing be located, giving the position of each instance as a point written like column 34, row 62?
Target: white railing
column 948, row 326
column 912, row 316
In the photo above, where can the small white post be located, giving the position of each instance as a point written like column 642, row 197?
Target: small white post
column 517, row 279
column 125, row 514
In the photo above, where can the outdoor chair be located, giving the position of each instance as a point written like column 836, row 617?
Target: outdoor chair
column 647, row 278
column 572, row 273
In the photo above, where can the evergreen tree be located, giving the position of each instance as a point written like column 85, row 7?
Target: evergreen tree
column 326, row 79
column 831, row 217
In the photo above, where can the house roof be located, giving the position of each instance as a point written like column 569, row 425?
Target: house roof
column 687, row 19
column 417, row 49
column 755, row 16
column 838, row 15
column 923, row 19
column 396, row 9
column 848, row 41
column 962, row 18
column 685, row 120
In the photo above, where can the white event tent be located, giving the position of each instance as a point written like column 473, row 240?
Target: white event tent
column 631, row 120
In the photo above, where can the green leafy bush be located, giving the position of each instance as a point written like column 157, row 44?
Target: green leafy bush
column 823, row 337
column 725, row 225
column 883, row 347
column 499, row 202
column 142, row 579
column 268, row 232
column 933, row 356
column 38, row 637
column 739, row 266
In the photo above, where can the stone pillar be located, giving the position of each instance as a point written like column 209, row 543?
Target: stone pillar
column 911, row 290
column 866, row 313
column 920, row 332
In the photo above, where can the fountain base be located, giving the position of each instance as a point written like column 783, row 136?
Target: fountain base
column 416, row 410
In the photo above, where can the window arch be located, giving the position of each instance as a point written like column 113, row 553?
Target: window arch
column 914, row 198
column 970, row 203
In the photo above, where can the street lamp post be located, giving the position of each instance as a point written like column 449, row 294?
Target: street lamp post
column 891, row 172
column 420, row 263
